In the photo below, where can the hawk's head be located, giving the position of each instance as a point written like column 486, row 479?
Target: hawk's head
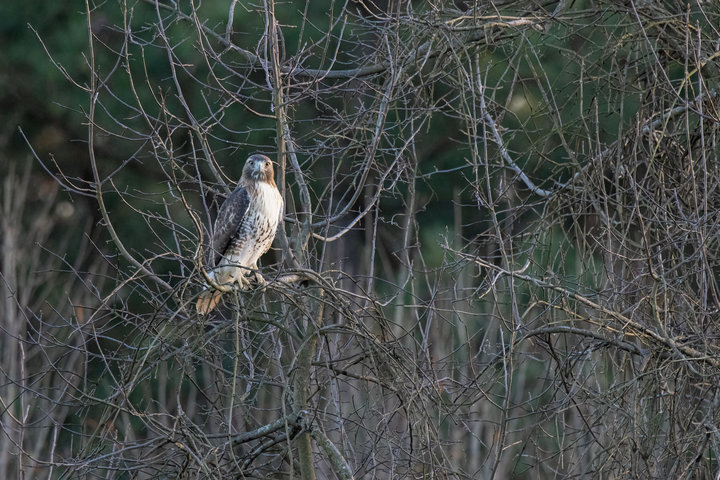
column 259, row 168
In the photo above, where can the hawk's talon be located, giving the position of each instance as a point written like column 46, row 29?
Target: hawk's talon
column 259, row 280
column 243, row 282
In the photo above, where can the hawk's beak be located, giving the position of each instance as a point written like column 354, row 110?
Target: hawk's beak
column 257, row 170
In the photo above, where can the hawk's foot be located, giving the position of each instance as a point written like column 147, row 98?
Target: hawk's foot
column 243, row 282
column 259, row 280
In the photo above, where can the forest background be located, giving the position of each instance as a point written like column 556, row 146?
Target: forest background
column 499, row 256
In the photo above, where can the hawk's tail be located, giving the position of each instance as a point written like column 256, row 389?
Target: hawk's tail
column 208, row 300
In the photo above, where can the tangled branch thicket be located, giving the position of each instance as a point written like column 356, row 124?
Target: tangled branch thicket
column 501, row 219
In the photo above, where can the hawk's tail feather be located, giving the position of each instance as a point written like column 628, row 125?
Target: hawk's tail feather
column 207, row 301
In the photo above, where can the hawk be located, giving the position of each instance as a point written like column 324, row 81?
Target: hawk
column 244, row 229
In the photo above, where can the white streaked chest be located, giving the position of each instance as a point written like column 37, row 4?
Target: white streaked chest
column 268, row 202
column 257, row 229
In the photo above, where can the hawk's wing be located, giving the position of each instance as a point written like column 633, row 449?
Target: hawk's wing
column 228, row 221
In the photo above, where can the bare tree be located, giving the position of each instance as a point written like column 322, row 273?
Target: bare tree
column 499, row 256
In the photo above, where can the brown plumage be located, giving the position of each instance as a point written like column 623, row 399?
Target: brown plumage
column 244, row 229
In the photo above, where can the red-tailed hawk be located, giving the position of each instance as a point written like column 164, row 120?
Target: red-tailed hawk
column 244, row 229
